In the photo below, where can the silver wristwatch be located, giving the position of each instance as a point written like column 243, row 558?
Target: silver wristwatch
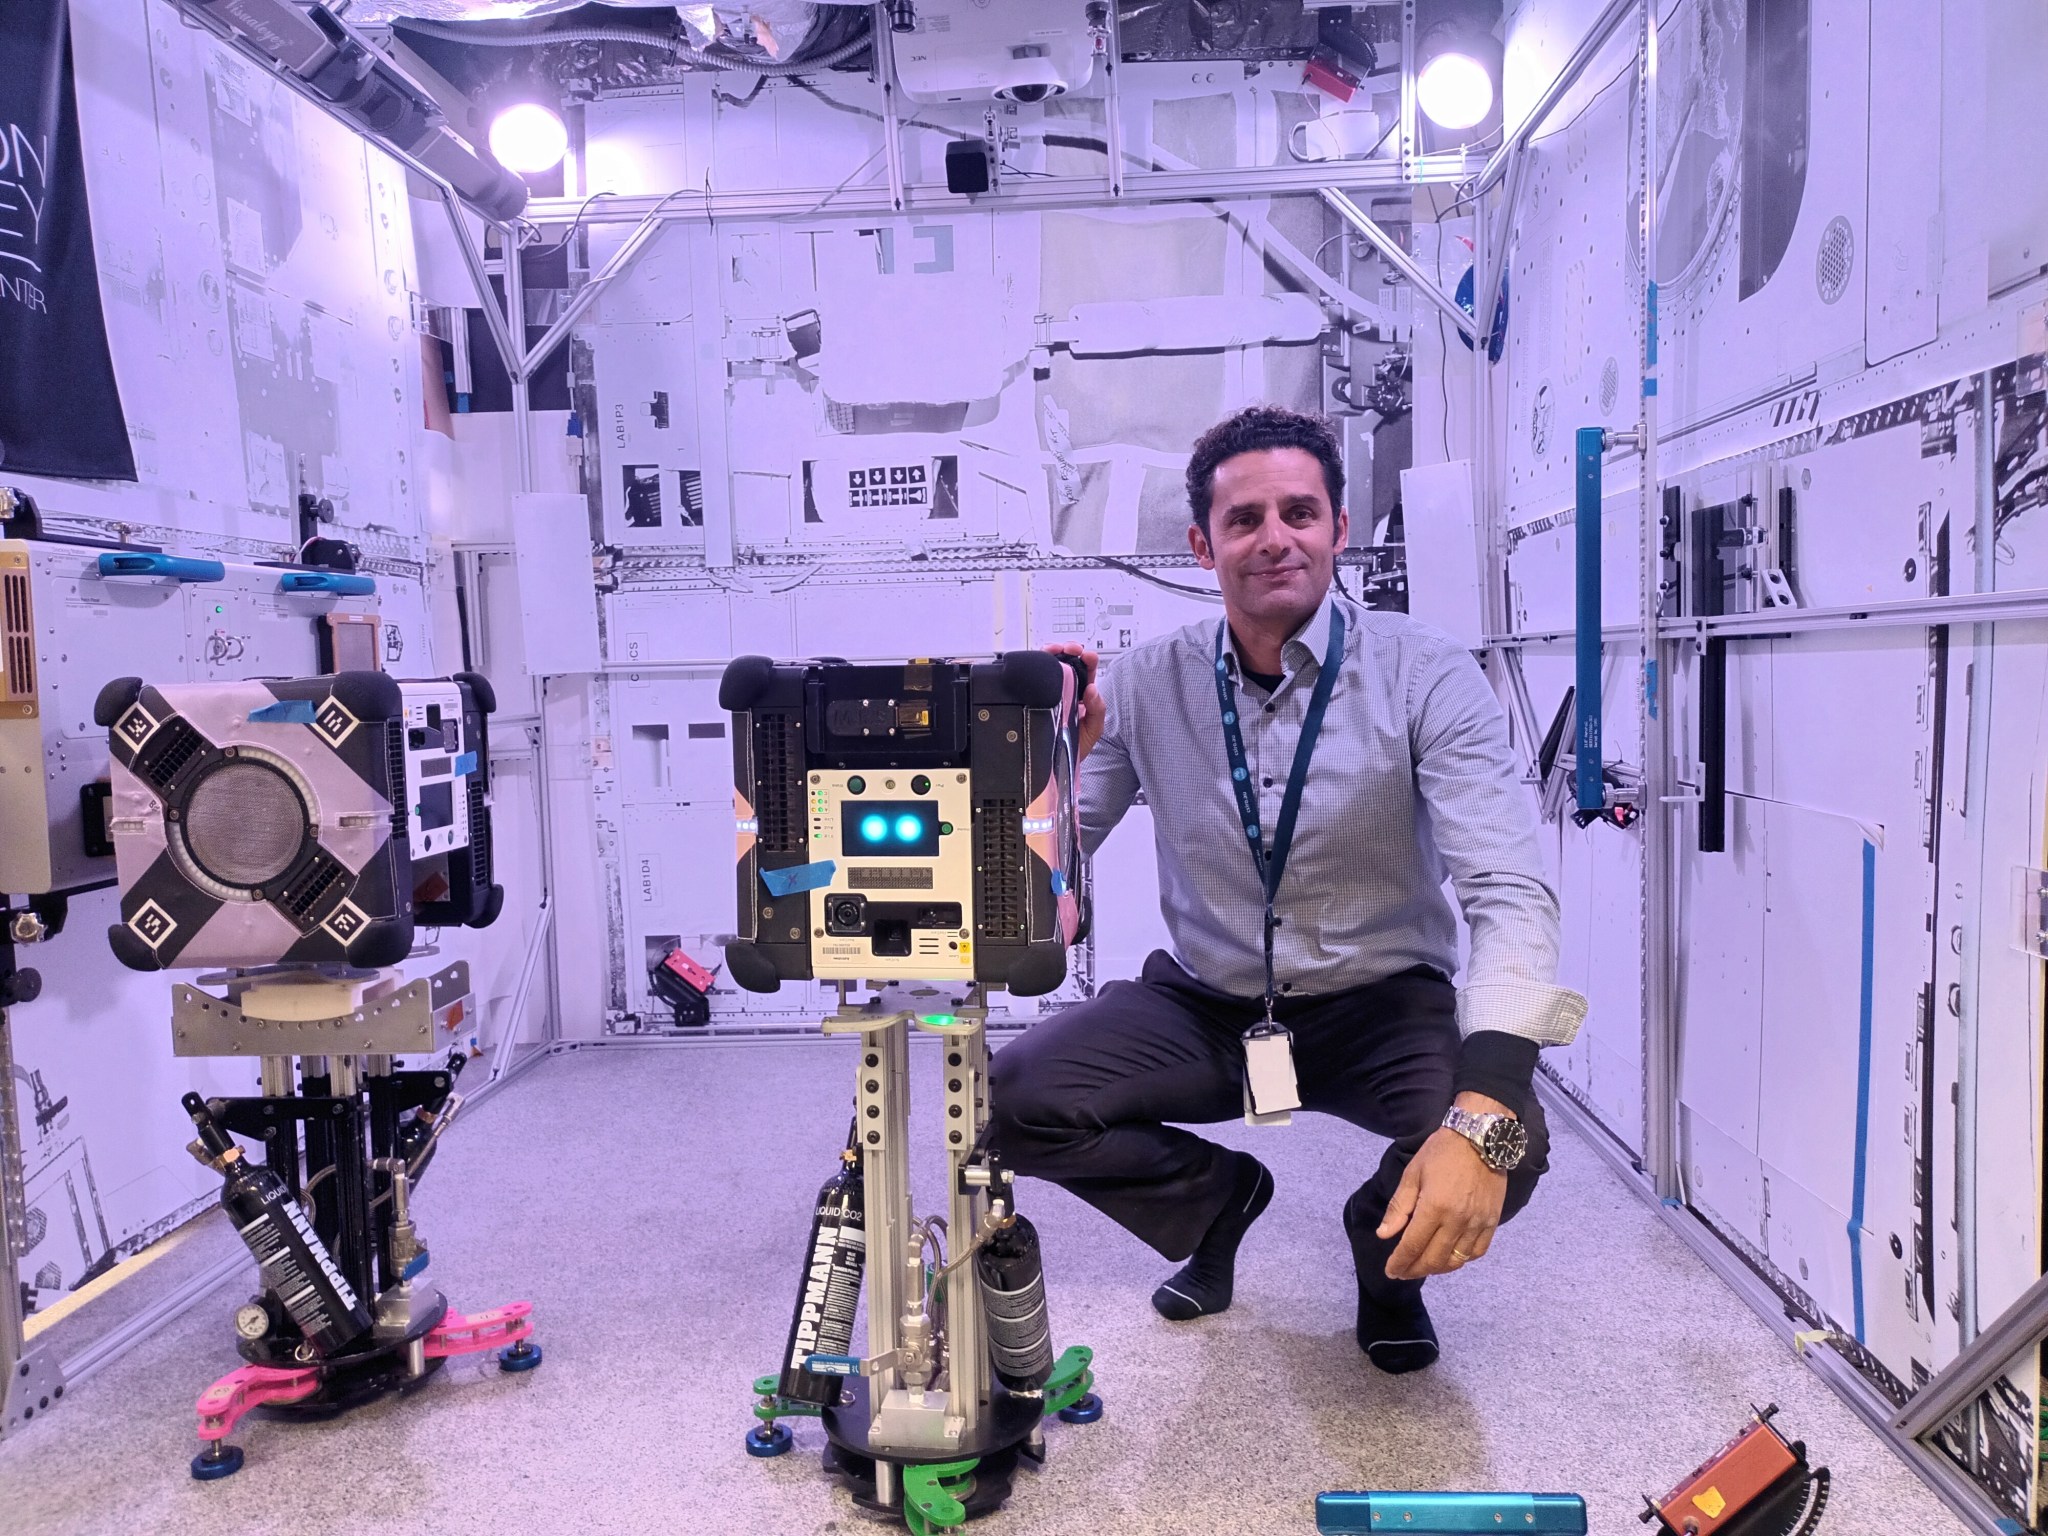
column 1500, row 1139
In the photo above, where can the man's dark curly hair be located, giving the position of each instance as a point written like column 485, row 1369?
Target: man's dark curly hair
column 1252, row 430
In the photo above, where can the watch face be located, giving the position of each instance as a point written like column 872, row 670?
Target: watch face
column 1506, row 1141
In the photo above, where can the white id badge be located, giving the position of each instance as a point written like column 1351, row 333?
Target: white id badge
column 1269, row 1086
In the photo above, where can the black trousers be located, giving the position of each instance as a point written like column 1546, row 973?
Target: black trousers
column 1089, row 1098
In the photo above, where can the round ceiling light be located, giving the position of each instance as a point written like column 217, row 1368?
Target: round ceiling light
column 528, row 138
column 1454, row 91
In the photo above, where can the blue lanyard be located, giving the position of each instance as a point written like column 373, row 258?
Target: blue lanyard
column 1271, row 863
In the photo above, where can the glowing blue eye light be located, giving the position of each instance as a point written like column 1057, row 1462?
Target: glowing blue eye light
column 874, row 828
column 909, row 829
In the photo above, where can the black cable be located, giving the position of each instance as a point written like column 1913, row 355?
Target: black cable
column 1443, row 342
column 909, row 122
column 1158, row 581
column 575, row 224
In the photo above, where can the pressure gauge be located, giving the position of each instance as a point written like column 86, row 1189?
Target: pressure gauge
column 252, row 1320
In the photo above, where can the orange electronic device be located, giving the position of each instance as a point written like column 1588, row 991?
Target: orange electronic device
column 1757, row 1485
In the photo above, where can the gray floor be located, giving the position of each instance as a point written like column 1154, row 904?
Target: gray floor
column 652, row 1204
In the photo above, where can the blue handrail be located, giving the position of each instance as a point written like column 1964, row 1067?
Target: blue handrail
column 1588, row 778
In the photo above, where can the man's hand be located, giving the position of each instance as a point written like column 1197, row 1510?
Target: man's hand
column 1449, row 1201
column 1093, row 711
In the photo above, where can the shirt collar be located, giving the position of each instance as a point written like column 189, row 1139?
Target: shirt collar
column 1313, row 637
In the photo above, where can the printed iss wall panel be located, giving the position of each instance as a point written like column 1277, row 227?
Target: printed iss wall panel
column 1762, row 244
column 1108, row 612
column 103, row 1151
column 1574, row 357
column 1599, row 885
column 1543, row 567
column 653, row 487
column 255, row 263
column 671, row 743
column 2006, row 985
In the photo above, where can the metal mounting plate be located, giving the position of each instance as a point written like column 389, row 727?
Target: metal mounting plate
column 396, row 1024
column 34, row 1387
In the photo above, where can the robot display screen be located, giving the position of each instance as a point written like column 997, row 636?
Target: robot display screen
column 904, row 829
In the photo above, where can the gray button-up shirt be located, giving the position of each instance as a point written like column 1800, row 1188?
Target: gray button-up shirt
column 1412, row 780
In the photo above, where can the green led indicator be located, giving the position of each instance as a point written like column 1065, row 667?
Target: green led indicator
column 938, row 1020
column 945, row 829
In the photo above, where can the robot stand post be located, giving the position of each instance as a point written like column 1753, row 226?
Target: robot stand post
column 893, row 1417
column 346, row 1313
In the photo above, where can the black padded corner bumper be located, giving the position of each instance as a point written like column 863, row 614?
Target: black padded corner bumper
column 1032, row 679
column 1038, row 970
column 129, row 949
column 111, row 705
column 384, row 941
column 752, row 969
column 487, row 914
column 747, row 681
column 481, row 690
column 369, row 696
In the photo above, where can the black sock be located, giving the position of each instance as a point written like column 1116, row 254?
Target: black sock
column 1398, row 1338
column 1394, row 1328
column 1203, row 1284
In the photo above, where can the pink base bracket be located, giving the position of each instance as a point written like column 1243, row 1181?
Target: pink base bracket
column 222, row 1405
column 460, row 1335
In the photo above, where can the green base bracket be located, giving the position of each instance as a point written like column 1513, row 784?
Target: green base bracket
column 1071, row 1379
column 769, row 1407
column 935, row 1495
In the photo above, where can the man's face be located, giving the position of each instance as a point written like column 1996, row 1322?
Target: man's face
column 1273, row 536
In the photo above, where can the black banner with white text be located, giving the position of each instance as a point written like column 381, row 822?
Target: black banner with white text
column 60, row 412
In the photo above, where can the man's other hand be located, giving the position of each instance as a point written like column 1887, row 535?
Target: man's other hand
column 1093, row 710
column 1449, row 1201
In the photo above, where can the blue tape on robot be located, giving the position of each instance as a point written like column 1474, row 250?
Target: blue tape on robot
column 799, row 878
column 283, row 712
column 832, row 1365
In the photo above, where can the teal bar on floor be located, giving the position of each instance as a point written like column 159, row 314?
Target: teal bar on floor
column 1450, row 1514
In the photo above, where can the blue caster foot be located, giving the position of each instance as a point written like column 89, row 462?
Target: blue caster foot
column 768, row 1440
column 218, row 1460
column 523, row 1356
column 1085, row 1409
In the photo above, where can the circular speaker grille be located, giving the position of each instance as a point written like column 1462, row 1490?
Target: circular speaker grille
column 244, row 823
column 1836, row 260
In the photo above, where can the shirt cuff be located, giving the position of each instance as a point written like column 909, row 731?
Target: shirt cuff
column 1500, row 1066
column 1535, row 1010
